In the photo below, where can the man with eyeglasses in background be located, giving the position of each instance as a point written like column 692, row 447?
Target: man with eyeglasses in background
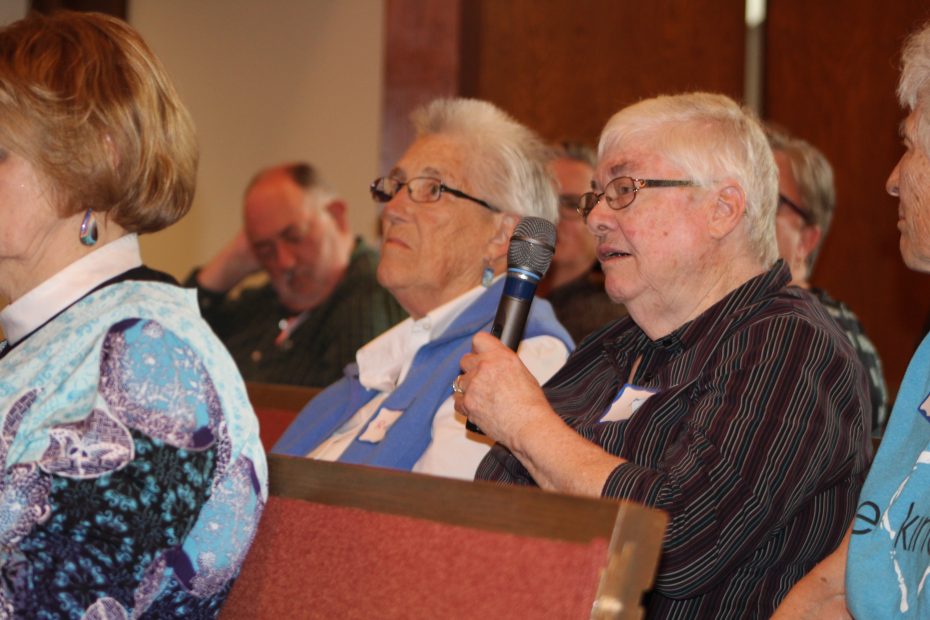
column 726, row 398
column 574, row 284
column 806, row 203
column 322, row 300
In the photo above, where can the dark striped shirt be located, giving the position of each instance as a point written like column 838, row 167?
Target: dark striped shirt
column 755, row 442
column 867, row 353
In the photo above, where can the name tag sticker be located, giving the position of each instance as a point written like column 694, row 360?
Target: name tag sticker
column 380, row 425
column 628, row 401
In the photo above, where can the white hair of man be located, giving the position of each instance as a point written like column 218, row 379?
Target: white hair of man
column 506, row 162
column 710, row 137
column 914, row 85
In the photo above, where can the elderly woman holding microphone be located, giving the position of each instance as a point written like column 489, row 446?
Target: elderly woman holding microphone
column 450, row 206
column 133, row 478
column 725, row 398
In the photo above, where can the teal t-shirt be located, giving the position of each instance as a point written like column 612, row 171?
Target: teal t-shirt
column 888, row 564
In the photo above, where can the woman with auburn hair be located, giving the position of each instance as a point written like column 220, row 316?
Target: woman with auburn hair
column 133, row 477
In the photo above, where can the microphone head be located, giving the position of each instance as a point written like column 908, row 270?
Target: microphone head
column 532, row 246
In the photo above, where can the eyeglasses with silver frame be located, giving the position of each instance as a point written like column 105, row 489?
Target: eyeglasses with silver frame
column 420, row 189
column 621, row 192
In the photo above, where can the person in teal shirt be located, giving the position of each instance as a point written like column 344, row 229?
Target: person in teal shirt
column 880, row 570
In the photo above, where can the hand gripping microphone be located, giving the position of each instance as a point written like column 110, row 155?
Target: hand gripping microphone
column 528, row 257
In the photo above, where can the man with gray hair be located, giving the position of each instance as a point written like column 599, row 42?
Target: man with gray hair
column 449, row 208
column 880, row 570
column 806, row 204
column 321, row 301
column 725, row 398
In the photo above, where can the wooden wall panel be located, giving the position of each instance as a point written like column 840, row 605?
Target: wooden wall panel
column 831, row 73
column 565, row 66
column 116, row 8
column 421, row 62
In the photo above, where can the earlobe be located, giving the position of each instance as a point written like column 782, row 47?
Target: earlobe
column 501, row 240
column 728, row 210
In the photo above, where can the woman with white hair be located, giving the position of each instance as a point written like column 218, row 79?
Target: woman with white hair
column 725, row 398
column 881, row 567
column 450, row 206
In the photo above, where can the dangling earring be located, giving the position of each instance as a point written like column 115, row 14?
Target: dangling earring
column 89, row 228
column 487, row 275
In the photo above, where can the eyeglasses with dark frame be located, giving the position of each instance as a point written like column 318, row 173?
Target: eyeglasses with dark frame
column 806, row 215
column 420, row 189
column 621, row 192
column 568, row 206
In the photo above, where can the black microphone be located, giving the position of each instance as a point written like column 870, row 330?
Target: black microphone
column 531, row 248
column 528, row 257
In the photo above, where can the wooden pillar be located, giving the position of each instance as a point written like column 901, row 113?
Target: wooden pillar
column 421, row 63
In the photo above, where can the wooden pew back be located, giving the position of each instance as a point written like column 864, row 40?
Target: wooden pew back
column 276, row 406
column 345, row 541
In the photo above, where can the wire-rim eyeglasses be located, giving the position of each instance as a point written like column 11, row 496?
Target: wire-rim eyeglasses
column 621, row 192
column 420, row 189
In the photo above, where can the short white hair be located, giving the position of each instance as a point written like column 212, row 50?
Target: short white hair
column 505, row 162
column 710, row 137
column 915, row 81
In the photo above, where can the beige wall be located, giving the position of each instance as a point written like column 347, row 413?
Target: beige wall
column 11, row 10
column 267, row 81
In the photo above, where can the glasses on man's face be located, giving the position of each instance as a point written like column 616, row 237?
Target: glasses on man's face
column 568, row 206
column 621, row 192
column 804, row 213
column 420, row 189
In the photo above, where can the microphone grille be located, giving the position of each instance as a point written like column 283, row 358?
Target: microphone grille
column 532, row 245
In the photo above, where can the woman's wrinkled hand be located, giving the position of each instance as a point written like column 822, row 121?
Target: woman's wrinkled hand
column 498, row 393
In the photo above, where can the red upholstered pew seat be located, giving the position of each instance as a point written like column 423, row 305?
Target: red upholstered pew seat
column 352, row 563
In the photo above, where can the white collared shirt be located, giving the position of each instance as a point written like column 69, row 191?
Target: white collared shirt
column 384, row 363
column 35, row 308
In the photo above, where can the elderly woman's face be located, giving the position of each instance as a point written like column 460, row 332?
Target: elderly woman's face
column 652, row 252
column 433, row 252
column 910, row 182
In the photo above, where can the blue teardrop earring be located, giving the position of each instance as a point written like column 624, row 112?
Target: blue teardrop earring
column 487, row 275
column 89, row 228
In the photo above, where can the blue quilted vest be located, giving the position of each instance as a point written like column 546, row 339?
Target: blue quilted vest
column 426, row 387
